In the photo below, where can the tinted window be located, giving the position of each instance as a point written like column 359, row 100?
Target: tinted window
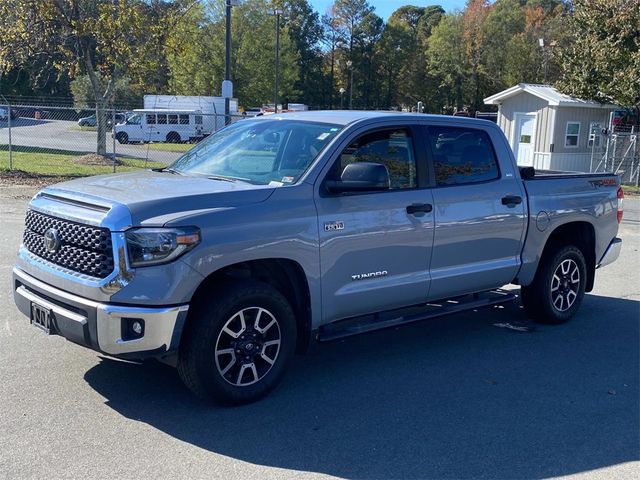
column 151, row 119
column 462, row 155
column 184, row 119
column 392, row 148
column 162, row 119
column 173, row 119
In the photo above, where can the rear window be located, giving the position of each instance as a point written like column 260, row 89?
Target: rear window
column 462, row 156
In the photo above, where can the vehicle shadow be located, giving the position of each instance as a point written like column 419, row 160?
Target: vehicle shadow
column 448, row 398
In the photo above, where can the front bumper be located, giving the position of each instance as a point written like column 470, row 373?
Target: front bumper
column 100, row 326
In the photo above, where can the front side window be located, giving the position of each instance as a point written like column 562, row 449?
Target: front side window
column 134, row 120
column 462, row 156
column 264, row 152
column 393, row 148
column 572, row 134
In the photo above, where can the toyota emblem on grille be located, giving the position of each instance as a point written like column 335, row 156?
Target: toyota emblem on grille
column 51, row 240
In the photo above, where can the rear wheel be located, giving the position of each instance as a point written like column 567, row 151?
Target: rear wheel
column 236, row 347
column 557, row 290
column 122, row 138
column 173, row 137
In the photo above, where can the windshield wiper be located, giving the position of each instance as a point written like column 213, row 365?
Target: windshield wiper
column 224, row 179
column 167, row 169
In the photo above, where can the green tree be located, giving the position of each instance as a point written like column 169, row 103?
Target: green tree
column 125, row 93
column 602, row 60
column 448, row 61
column 79, row 36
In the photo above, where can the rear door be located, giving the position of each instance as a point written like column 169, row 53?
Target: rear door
column 375, row 247
column 479, row 212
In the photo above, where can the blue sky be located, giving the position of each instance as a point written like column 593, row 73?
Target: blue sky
column 384, row 8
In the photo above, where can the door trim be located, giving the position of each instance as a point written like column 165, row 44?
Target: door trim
column 517, row 116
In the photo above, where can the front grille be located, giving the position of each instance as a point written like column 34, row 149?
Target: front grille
column 83, row 248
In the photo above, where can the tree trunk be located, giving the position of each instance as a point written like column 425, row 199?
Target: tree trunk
column 101, row 126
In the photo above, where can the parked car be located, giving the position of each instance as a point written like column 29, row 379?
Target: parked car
column 279, row 230
column 91, row 120
column 6, row 112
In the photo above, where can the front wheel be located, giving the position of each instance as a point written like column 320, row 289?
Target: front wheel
column 122, row 138
column 557, row 290
column 236, row 347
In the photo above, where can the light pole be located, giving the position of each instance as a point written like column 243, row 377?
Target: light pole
column 227, row 85
column 277, row 12
column 350, row 66
column 342, row 90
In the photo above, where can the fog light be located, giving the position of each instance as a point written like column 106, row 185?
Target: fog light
column 136, row 327
column 132, row 328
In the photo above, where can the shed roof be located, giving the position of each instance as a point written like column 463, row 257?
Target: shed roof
column 547, row 93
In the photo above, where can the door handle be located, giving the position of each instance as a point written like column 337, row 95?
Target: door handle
column 511, row 200
column 419, row 208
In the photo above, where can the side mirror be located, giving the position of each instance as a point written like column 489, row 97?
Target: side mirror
column 361, row 177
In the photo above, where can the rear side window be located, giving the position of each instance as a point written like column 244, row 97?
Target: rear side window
column 393, row 148
column 184, row 119
column 462, row 156
column 173, row 119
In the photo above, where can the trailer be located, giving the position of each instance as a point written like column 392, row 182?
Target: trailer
column 211, row 108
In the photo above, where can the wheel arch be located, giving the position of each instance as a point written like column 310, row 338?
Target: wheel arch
column 285, row 275
column 582, row 235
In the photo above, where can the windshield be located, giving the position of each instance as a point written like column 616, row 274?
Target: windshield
column 258, row 151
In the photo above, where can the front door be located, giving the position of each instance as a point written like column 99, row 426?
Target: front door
column 374, row 251
column 525, row 125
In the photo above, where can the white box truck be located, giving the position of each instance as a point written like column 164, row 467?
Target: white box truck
column 212, row 108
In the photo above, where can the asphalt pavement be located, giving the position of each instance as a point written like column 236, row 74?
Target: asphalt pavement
column 448, row 398
column 66, row 135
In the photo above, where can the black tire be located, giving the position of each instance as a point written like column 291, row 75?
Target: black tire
column 557, row 290
column 227, row 378
column 122, row 138
column 173, row 137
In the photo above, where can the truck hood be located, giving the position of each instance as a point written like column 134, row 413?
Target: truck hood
column 155, row 198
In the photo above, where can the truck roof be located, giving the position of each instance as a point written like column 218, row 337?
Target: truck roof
column 345, row 117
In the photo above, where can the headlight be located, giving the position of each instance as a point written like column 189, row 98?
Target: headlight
column 152, row 246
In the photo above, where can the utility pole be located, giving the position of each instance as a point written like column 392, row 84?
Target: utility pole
column 227, row 85
column 350, row 66
column 277, row 12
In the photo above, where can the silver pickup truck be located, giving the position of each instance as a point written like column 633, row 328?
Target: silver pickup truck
column 314, row 225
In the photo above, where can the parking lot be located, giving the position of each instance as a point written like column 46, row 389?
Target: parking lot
column 67, row 136
column 449, row 398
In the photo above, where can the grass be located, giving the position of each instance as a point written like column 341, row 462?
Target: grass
column 169, row 147
column 631, row 190
column 46, row 161
column 77, row 128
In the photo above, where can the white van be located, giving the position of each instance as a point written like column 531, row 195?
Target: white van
column 159, row 125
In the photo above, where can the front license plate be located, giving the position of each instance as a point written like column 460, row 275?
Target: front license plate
column 41, row 317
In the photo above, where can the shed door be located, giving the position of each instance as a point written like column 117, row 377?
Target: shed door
column 525, row 132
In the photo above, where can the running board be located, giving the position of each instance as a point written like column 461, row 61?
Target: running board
column 404, row 316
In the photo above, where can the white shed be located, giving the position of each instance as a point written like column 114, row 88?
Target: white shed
column 549, row 130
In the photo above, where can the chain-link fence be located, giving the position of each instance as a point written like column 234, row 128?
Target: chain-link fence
column 63, row 141
column 618, row 152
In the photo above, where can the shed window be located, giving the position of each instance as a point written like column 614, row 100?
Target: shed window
column 572, row 134
column 595, row 132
